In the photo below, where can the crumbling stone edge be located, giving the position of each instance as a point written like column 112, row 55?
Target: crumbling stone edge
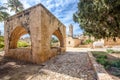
column 101, row 73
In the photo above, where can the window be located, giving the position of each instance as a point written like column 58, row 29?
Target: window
column 68, row 42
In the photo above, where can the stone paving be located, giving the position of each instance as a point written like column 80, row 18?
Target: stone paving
column 70, row 66
column 73, row 65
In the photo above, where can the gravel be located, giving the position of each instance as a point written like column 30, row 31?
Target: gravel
column 70, row 66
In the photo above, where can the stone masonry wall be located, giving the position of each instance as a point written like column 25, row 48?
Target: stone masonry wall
column 40, row 24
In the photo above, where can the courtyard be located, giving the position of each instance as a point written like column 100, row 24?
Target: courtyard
column 59, row 40
column 71, row 65
column 74, row 64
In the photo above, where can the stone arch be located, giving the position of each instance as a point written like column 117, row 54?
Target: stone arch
column 40, row 24
column 58, row 34
column 15, row 35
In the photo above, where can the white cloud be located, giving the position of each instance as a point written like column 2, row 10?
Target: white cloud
column 25, row 4
column 62, row 9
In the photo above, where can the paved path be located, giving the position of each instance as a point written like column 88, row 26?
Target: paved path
column 70, row 66
column 73, row 65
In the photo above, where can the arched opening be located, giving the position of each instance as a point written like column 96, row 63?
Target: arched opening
column 59, row 35
column 54, row 42
column 57, row 41
column 24, row 41
column 16, row 37
column 19, row 52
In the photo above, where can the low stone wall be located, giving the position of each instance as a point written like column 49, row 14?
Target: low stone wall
column 20, row 54
column 99, row 69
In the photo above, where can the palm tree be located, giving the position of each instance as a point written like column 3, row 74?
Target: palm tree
column 3, row 13
column 15, row 5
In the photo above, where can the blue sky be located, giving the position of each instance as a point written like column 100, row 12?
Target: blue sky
column 62, row 9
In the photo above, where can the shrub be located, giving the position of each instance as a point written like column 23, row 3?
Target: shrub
column 1, row 45
column 88, row 41
column 101, row 57
column 100, row 54
column 1, row 42
column 101, row 61
column 116, row 64
column 22, row 44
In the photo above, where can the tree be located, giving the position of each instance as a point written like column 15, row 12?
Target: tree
column 100, row 18
column 3, row 13
column 15, row 5
column 54, row 40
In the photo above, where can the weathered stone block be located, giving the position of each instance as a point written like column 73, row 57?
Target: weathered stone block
column 40, row 24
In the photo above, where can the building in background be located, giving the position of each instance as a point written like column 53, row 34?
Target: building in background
column 76, row 40
column 72, row 41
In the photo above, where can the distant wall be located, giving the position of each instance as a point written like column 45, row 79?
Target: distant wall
column 110, row 42
column 72, row 42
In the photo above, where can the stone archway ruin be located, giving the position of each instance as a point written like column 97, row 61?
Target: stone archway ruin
column 40, row 24
column 15, row 35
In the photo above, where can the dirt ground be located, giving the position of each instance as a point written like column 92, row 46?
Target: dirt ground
column 68, row 66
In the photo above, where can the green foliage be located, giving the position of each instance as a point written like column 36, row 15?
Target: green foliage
column 88, row 41
column 116, row 64
column 3, row 13
column 15, row 5
column 99, row 18
column 54, row 40
column 101, row 57
column 22, row 44
column 104, row 62
column 100, row 54
column 110, row 51
column 1, row 42
column 1, row 39
column 2, row 45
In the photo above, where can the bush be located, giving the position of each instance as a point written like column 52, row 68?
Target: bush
column 1, row 45
column 100, row 54
column 22, row 44
column 116, row 64
column 101, row 60
column 88, row 41
column 101, row 57
column 1, row 42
